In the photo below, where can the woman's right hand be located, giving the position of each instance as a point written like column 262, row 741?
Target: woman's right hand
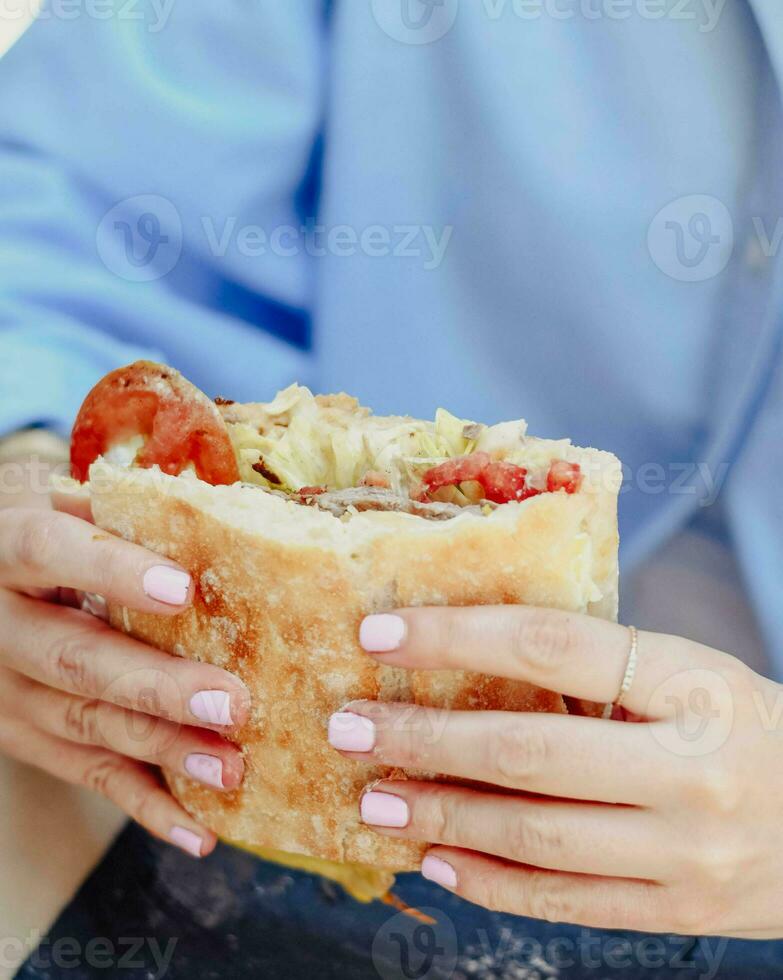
column 91, row 705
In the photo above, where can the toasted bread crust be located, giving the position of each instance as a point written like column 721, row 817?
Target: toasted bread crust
column 280, row 592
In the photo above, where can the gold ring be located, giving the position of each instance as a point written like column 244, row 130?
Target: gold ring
column 628, row 676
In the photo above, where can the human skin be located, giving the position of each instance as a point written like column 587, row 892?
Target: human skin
column 82, row 701
column 665, row 819
column 667, row 822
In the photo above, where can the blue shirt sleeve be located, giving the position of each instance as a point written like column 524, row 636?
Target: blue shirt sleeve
column 141, row 161
column 45, row 371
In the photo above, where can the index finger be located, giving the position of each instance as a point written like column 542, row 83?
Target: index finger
column 47, row 549
column 576, row 655
column 76, row 501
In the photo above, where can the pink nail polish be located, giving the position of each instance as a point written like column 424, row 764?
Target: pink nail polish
column 166, row 584
column 384, row 810
column 440, row 871
column 213, row 707
column 205, row 768
column 350, row 732
column 187, row 840
column 381, row 633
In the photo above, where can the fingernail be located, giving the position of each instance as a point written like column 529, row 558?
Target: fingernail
column 205, row 768
column 166, row 584
column 440, row 871
column 384, row 810
column 187, row 840
column 351, row 733
column 213, row 707
column 381, row 633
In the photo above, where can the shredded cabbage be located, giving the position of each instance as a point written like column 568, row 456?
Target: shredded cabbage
column 304, row 444
column 451, row 431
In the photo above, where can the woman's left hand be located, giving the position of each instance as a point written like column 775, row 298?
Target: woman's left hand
column 670, row 823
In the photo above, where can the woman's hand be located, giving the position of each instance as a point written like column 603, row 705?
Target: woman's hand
column 91, row 705
column 672, row 823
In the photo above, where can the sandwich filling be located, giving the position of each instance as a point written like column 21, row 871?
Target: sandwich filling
column 329, row 452
column 322, row 451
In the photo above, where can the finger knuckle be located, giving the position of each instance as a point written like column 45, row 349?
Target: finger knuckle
column 715, row 789
column 35, row 541
column 490, row 890
column 142, row 804
column 398, row 738
column 543, row 641
column 81, row 721
column 519, row 753
column 105, row 776
column 441, row 817
column 108, row 568
column 70, row 662
column 715, row 864
column 532, row 837
column 547, row 899
column 149, row 738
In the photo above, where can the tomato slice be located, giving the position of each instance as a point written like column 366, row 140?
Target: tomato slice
column 454, row 471
column 504, row 482
column 564, row 476
column 181, row 425
column 501, row 482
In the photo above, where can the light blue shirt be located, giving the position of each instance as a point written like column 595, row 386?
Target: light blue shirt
column 569, row 211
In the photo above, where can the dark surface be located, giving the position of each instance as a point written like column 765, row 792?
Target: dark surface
column 232, row 916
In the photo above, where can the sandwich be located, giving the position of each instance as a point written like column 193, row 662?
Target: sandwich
column 296, row 518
